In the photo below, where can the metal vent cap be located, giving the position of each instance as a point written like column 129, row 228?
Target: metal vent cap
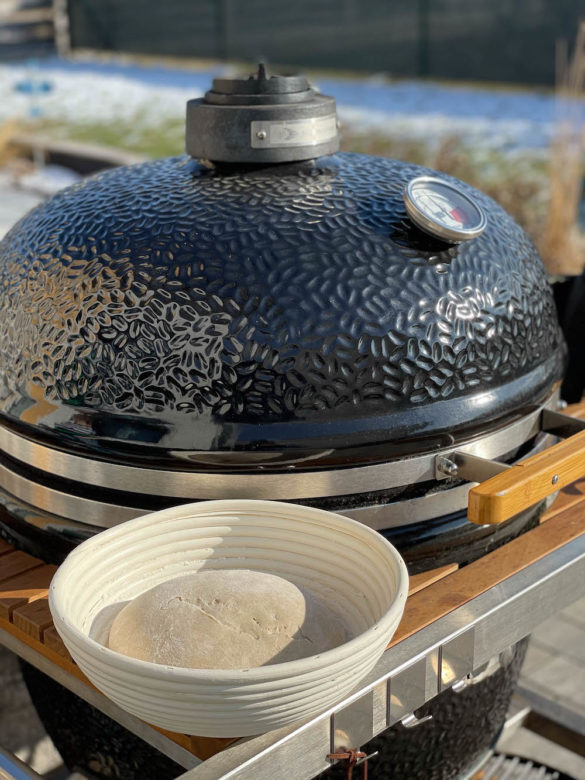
column 261, row 119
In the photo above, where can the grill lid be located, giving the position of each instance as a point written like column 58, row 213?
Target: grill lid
column 175, row 306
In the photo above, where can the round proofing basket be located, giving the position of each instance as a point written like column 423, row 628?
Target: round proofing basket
column 349, row 567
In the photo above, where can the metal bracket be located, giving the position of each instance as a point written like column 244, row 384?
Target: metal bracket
column 462, row 684
column 471, row 468
column 353, row 725
column 478, row 675
column 456, row 659
column 412, row 687
column 367, row 758
column 559, row 424
column 411, row 721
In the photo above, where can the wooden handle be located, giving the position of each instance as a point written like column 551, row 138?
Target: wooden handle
column 505, row 495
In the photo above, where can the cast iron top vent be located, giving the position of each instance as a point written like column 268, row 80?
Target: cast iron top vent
column 261, row 119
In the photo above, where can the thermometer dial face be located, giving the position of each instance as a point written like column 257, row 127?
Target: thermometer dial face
column 443, row 210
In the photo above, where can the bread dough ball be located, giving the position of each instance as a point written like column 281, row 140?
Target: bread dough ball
column 225, row 619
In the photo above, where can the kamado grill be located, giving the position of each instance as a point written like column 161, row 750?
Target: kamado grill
column 265, row 318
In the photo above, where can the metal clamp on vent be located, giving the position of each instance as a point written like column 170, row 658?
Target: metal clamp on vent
column 261, row 119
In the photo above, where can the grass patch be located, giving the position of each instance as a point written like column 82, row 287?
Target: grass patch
column 166, row 139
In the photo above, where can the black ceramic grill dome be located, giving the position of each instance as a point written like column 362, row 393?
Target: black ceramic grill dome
column 191, row 307
column 267, row 328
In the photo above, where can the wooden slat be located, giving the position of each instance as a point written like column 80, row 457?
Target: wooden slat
column 17, row 562
column 205, row 747
column 52, row 640
column 5, row 547
column 424, row 579
column 25, row 588
column 576, row 410
column 33, row 618
column 48, row 652
column 458, row 588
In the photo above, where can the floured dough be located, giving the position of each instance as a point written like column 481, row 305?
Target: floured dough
column 225, row 619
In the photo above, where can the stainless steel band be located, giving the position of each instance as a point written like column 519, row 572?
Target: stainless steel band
column 276, row 486
column 104, row 515
column 100, row 514
column 65, row 505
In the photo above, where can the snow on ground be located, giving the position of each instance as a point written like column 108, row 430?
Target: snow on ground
column 502, row 134
column 85, row 97
column 102, row 92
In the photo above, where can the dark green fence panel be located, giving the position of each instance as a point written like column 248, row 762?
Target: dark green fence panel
column 168, row 27
column 497, row 40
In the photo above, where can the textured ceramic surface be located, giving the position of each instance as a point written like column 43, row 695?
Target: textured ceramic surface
column 175, row 307
column 349, row 567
